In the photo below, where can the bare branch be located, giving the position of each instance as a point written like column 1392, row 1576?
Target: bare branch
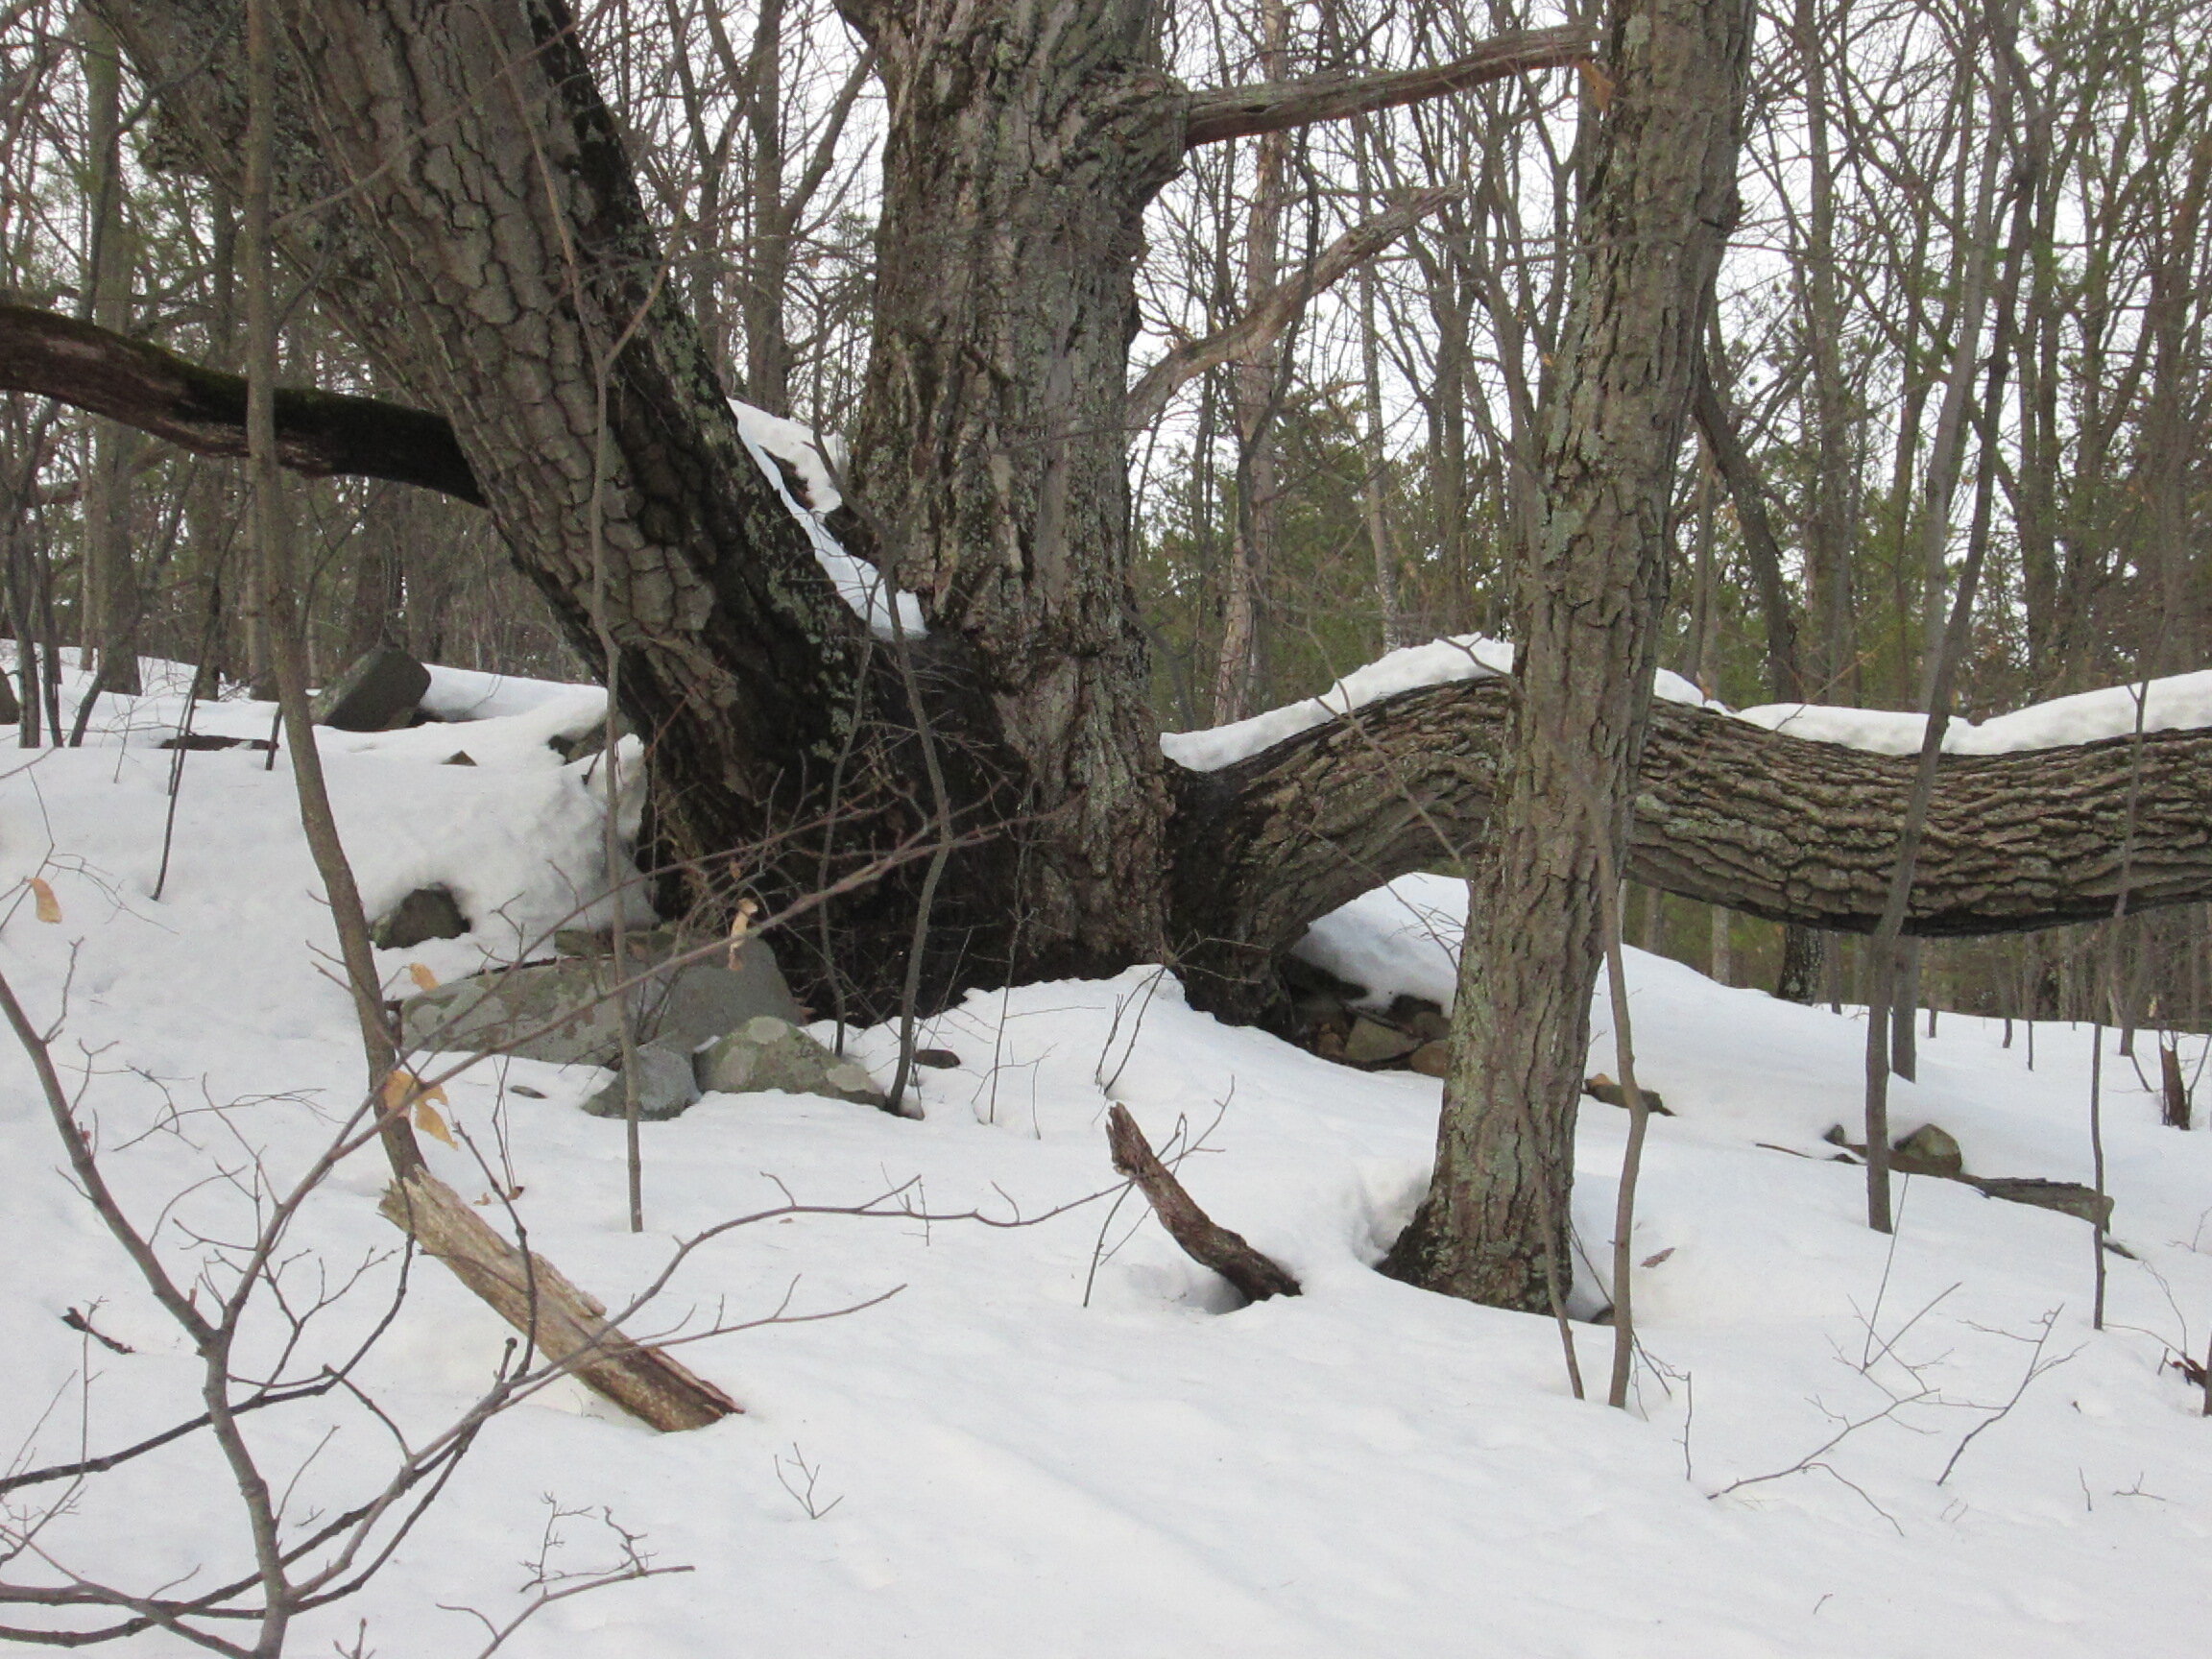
column 320, row 433
column 1202, row 1239
column 1275, row 309
column 1273, row 106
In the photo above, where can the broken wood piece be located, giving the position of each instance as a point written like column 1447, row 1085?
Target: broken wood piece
column 2067, row 1197
column 1202, row 1239
column 568, row 1326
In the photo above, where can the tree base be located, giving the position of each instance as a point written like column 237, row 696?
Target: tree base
column 1498, row 1275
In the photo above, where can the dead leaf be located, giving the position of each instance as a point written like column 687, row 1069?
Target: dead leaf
column 1655, row 1260
column 424, row 979
column 739, row 923
column 402, row 1086
column 48, row 906
column 1601, row 83
column 427, row 1120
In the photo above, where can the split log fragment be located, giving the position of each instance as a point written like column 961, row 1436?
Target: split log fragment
column 567, row 1326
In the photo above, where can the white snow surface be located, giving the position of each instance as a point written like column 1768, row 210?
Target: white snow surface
column 859, row 583
column 1363, row 1470
column 470, row 694
column 2177, row 701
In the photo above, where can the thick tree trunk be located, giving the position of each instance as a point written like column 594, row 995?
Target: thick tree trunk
column 487, row 247
column 989, row 457
column 1661, row 199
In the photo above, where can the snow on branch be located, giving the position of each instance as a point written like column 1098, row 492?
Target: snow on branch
column 2180, row 702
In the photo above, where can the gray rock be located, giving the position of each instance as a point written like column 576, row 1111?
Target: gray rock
column 770, row 1053
column 1370, row 1042
column 753, row 983
column 1421, row 1017
column 564, row 1012
column 665, row 1086
column 426, row 913
column 378, row 692
column 1929, row 1150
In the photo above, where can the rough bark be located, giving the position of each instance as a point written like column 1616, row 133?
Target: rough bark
column 489, row 250
column 1728, row 813
column 1023, row 144
column 1660, row 200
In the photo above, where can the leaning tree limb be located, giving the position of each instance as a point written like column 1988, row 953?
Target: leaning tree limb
column 565, row 1324
column 1728, row 813
column 320, row 433
column 1276, row 106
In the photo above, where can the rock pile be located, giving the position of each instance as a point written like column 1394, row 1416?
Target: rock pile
column 704, row 1025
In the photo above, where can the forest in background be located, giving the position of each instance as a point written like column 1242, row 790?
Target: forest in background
column 1904, row 366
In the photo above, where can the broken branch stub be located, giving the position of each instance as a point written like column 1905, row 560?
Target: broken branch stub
column 1202, row 1239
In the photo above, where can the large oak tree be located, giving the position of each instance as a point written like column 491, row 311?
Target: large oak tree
column 457, row 187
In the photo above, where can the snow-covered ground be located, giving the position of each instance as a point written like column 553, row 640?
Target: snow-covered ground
column 1363, row 1470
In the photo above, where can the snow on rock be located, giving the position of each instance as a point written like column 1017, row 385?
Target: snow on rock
column 2181, row 701
column 771, row 438
column 469, row 695
column 1409, row 668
